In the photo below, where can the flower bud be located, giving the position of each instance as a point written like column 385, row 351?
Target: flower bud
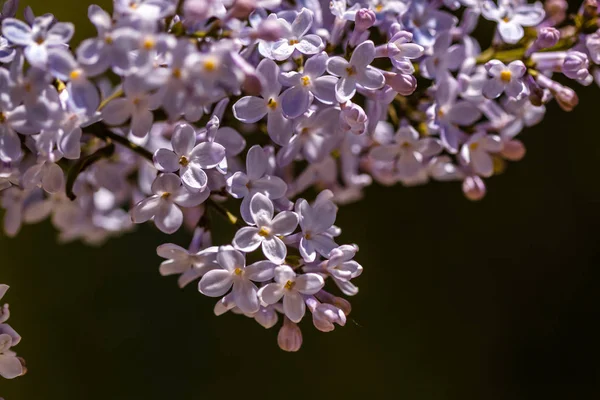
column 364, row 19
column 266, row 317
column 353, row 118
column 242, row 8
column 326, row 315
column 592, row 42
column 474, row 188
column 289, row 337
column 575, row 65
column 567, row 98
column 547, row 37
column 269, row 30
column 404, row 84
column 339, row 302
column 513, row 150
column 556, row 10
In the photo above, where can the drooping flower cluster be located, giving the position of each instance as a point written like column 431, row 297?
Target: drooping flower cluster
column 11, row 366
column 245, row 107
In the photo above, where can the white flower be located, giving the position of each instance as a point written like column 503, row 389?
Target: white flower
column 505, row 79
column 512, row 18
column 163, row 205
column 357, row 71
column 268, row 230
column 476, row 152
column 296, row 38
column 234, row 272
column 291, row 288
column 316, row 222
column 190, row 265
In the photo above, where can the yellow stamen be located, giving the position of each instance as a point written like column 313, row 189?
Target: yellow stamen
column 237, row 271
column 292, row 42
column 210, row 65
column 305, row 80
column 165, row 195
column 149, row 43
column 184, row 161
column 176, row 73
column 75, row 74
column 350, row 71
column 264, row 231
column 505, row 76
column 289, row 285
column 272, row 104
column 474, row 146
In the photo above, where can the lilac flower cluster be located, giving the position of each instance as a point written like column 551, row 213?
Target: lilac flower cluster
column 11, row 366
column 246, row 107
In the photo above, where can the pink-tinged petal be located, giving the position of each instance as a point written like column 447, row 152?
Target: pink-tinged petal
column 324, row 89
column 173, row 267
column 247, row 239
column 492, row 88
column 293, row 306
column 386, row 153
column 250, row 109
column 271, row 293
column 165, row 160
column 284, row 223
column 482, row 163
column 260, row 271
column 510, row 31
column 274, row 249
column 256, row 162
column 10, row 366
column 295, row 101
column 266, row 317
column 245, row 296
column 194, row 178
column 345, row 88
column 145, row 209
column 347, row 287
column 172, row 251
column 371, row 78
column 141, row 123
column 230, row 259
column 363, row 55
column 492, row 143
column 184, row 139
column 207, row 155
column 168, row 218
column 310, row 44
column 166, row 183
column 309, row 283
column 337, row 66
column 117, row 112
column 215, row 283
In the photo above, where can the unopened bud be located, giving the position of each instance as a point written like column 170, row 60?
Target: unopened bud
column 513, row 150
column 474, row 188
column 567, row 98
column 404, row 84
column 364, row 19
column 353, row 118
column 547, row 37
column 289, row 337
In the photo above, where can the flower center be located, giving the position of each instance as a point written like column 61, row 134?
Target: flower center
column 108, row 39
column 505, row 76
column 272, row 104
column 350, row 70
column 405, row 145
column 505, row 19
column 149, row 43
column 75, row 74
column 305, row 80
column 176, row 73
column 183, row 160
column 238, row 271
column 474, row 146
column 264, row 231
column 165, row 195
column 210, row 65
column 379, row 7
column 293, row 42
column 2, row 118
column 289, row 285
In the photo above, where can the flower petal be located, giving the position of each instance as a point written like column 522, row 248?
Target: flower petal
column 247, row 239
column 215, row 283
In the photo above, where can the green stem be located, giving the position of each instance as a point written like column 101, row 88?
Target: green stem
column 101, row 131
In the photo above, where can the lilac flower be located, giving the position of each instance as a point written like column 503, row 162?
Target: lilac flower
column 233, row 272
column 296, row 38
column 401, row 51
column 512, row 18
column 357, row 71
column 445, row 57
column 39, row 38
column 505, row 79
column 190, row 266
column 476, row 152
column 268, row 231
column 291, row 288
column 163, row 205
column 250, row 109
column 255, row 180
column 45, row 174
column 408, row 151
column 188, row 158
column 342, row 268
column 325, row 315
column 306, row 85
column 316, row 221
column 10, row 365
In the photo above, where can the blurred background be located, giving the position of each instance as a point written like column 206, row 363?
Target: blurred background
column 459, row 300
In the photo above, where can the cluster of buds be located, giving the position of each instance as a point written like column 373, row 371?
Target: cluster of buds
column 268, row 115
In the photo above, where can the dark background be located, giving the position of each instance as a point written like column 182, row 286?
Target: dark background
column 459, row 300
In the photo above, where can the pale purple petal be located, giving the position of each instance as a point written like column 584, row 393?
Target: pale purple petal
column 215, row 283
column 309, row 283
column 247, row 239
column 293, row 306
